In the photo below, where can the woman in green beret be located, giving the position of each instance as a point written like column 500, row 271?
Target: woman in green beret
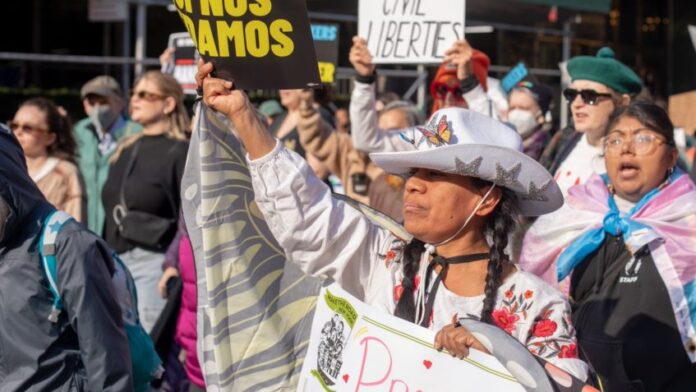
column 599, row 85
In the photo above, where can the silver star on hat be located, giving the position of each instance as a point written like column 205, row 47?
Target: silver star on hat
column 468, row 169
column 508, row 178
column 537, row 194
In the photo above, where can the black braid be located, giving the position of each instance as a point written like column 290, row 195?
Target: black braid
column 406, row 307
column 499, row 227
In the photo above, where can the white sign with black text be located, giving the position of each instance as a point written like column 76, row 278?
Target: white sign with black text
column 410, row 31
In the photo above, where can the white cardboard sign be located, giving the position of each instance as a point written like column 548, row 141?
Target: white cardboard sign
column 354, row 347
column 410, row 31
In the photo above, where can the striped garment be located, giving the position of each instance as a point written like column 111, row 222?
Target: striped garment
column 254, row 309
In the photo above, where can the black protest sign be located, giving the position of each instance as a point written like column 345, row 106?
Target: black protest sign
column 410, row 31
column 260, row 44
column 326, row 44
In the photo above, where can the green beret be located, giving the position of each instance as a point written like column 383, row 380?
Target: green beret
column 607, row 70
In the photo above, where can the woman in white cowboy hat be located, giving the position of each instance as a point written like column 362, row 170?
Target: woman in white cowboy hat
column 466, row 179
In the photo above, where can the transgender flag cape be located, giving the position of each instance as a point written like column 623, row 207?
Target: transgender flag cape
column 665, row 221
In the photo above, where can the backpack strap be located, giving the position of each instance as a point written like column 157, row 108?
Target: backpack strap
column 47, row 249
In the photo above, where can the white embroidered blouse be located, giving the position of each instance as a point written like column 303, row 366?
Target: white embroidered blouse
column 325, row 236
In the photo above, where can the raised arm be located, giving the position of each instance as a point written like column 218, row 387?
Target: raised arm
column 220, row 95
column 366, row 135
column 333, row 149
column 461, row 54
column 321, row 235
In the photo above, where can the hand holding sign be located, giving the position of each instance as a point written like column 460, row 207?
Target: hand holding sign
column 461, row 54
column 307, row 107
column 457, row 340
column 361, row 58
column 222, row 96
column 166, row 59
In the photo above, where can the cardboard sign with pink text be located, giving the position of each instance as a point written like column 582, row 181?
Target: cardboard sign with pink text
column 354, row 347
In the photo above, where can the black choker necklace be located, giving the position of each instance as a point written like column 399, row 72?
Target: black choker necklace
column 444, row 262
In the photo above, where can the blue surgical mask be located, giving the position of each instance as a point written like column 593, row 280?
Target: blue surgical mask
column 103, row 117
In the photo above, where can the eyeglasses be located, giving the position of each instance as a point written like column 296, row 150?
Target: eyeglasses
column 643, row 143
column 442, row 90
column 590, row 97
column 26, row 128
column 147, row 96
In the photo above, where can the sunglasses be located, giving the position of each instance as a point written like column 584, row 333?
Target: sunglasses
column 147, row 96
column 26, row 128
column 590, row 97
column 442, row 90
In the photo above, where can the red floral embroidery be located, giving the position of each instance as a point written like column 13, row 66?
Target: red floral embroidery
column 398, row 291
column 568, row 351
column 505, row 320
column 509, row 294
column 545, row 328
column 528, row 294
column 394, row 253
column 548, row 342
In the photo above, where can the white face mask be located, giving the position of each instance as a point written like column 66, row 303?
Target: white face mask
column 524, row 121
column 102, row 117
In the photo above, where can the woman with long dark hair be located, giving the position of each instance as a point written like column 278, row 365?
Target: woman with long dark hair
column 45, row 132
column 466, row 180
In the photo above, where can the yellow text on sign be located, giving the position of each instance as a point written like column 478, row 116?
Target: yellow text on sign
column 327, row 72
column 223, row 38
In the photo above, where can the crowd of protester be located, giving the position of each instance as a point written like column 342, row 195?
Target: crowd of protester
column 605, row 233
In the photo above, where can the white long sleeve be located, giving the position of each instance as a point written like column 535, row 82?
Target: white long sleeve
column 367, row 137
column 320, row 234
column 479, row 102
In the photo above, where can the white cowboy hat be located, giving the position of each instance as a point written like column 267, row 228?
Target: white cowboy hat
column 464, row 142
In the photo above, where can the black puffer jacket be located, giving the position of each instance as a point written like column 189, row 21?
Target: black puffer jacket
column 87, row 349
